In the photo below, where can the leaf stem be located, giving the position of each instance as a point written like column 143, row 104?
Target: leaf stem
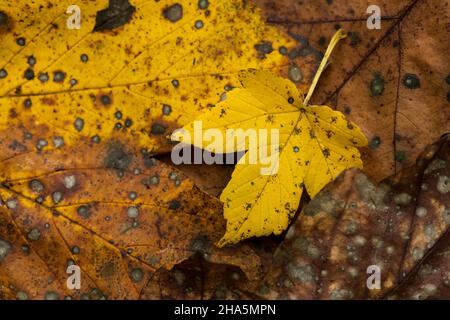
column 340, row 34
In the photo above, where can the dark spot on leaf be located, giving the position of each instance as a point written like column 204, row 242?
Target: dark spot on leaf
column 5, row 248
column 149, row 161
column 322, row 41
column 174, row 204
column 117, row 158
column 132, row 195
column 27, row 103
column 34, row 234
column 36, row 186
column 400, row 156
column 158, row 128
column 57, row 197
column 377, row 85
column 58, row 76
column 118, row 13
column 375, row 142
column 283, row 50
column 95, row 139
column 51, row 295
column 105, row 99
column 354, row 39
column 411, row 81
column 303, row 52
column 31, row 60
column 128, row 123
column 295, row 74
column 83, row 211
column 75, row 249
column 43, row 77
column 136, row 275
column 41, row 144
column 29, row 74
column 78, row 124
column 198, row 24
column 3, row 20
column 84, row 58
column 173, row 13
column 263, row 48
column 294, row 53
column 203, row 4
column 200, row 243
column 96, row 294
column 167, row 110
column 20, row 41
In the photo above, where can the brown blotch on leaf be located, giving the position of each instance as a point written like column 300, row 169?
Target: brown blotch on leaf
column 118, row 13
column 263, row 48
column 117, row 157
column 48, row 101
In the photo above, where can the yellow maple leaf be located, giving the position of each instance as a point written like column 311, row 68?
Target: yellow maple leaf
column 316, row 143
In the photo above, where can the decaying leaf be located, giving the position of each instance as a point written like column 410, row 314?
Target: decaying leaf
column 115, row 212
column 134, row 69
column 392, row 81
column 315, row 145
column 400, row 226
column 195, row 279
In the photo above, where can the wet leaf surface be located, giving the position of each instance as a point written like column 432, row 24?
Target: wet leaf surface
column 135, row 69
column 400, row 225
column 116, row 212
column 83, row 112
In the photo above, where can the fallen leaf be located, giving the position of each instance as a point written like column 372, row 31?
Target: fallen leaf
column 400, row 225
column 407, row 58
column 315, row 145
column 135, row 69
